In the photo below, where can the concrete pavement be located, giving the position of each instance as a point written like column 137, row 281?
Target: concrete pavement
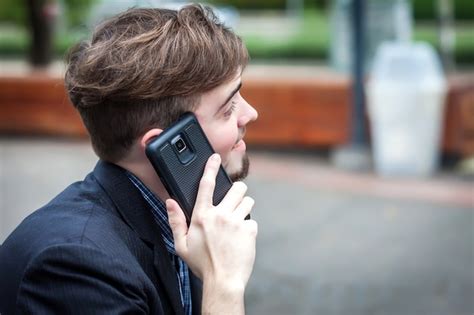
column 330, row 242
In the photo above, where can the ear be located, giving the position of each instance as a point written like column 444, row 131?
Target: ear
column 148, row 136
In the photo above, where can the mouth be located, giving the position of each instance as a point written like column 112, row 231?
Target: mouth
column 240, row 141
column 239, row 146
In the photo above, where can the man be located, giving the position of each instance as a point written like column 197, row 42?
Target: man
column 104, row 245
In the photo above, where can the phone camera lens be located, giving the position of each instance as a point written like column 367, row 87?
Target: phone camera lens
column 180, row 145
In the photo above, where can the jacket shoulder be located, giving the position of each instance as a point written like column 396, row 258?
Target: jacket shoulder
column 80, row 278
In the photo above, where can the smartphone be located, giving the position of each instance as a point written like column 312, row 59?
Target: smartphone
column 179, row 155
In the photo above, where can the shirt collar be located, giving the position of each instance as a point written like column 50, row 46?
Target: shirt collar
column 159, row 212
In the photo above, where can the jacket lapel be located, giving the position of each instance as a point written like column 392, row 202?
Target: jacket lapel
column 196, row 293
column 137, row 214
column 167, row 274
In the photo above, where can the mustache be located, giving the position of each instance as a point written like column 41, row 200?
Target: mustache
column 242, row 132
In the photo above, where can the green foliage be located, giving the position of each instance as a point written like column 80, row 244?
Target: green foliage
column 13, row 42
column 464, row 9
column 267, row 4
column 427, row 10
column 293, row 49
column 313, row 38
column 13, row 11
column 424, row 9
column 77, row 10
column 310, row 41
column 251, row 4
column 464, row 49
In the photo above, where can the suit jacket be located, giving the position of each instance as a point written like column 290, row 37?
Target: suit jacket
column 94, row 249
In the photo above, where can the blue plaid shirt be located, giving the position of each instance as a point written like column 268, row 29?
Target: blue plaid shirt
column 161, row 217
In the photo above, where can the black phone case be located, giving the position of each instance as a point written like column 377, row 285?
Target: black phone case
column 181, row 178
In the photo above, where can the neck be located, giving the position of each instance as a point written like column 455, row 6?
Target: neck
column 146, row 173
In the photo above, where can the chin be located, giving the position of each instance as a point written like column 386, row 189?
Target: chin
column 242, row 171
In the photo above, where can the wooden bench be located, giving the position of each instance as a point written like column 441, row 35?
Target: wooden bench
column 309, row 112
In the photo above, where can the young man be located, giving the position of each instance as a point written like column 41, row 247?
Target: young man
column 115, row 242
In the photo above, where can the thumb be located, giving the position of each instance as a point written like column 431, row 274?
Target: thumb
column 178, row 225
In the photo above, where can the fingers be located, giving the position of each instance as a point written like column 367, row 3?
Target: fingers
column 244, row 208
column 252, row 226
column 208, row 183
column 178, row 225
column 233, row 197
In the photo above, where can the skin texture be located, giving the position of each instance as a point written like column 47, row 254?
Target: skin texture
column 224, row 121
column 223, row 115
column 219, row 245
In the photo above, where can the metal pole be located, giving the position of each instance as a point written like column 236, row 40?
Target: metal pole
column 356, row 155
column 358, row 136
column 447, row 36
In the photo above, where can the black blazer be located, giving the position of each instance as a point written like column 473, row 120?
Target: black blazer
column 94, row 249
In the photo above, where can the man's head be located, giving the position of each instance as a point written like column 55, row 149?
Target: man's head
column 144, row 68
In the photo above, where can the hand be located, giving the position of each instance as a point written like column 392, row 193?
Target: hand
column 219, row 245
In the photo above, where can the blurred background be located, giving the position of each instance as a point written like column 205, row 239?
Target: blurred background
column 362, row 157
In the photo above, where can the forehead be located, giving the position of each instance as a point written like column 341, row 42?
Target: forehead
column 216, row 97
column 230, row 85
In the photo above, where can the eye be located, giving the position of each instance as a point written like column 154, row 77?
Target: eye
column 231, row 109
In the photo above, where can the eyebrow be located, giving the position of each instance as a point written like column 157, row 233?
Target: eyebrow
column 231, row 95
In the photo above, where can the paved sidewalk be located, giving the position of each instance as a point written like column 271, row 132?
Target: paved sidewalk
column 330, row 242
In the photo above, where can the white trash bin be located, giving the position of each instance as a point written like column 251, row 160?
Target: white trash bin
column 406, row 94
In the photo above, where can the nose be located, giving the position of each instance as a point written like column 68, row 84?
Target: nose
column 249, row 113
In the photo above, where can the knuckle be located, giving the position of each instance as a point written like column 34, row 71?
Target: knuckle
column 253, row 227
column 172, row 222
column 206, row 181
column 240, row 186
column 221, row 219
column 199, row 220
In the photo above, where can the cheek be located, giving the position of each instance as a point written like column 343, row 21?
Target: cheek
column 222, row 140
column 223, row 143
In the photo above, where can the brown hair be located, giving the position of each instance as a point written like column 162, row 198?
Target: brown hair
column 144, row 68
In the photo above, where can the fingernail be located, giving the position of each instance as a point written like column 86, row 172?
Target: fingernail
column 216, row 157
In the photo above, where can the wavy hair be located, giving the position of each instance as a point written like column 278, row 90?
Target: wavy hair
column 144, row 68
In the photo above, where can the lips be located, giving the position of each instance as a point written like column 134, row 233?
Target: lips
column 239, row 146
column 240, row 139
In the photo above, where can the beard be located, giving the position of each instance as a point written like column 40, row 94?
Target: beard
column 244, row 171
